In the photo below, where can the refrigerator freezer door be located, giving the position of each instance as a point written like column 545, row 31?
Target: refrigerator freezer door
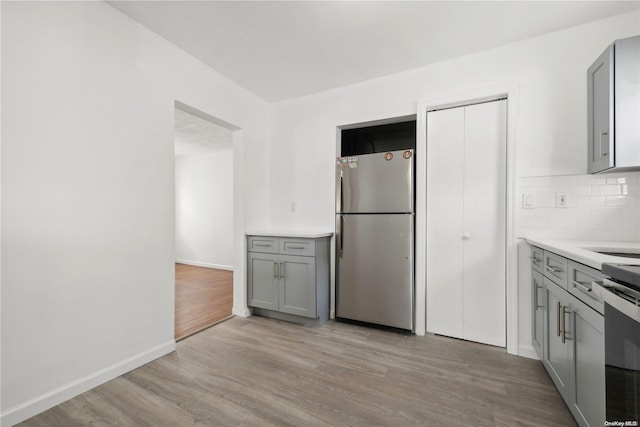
column 375, row 269
column 375, row 183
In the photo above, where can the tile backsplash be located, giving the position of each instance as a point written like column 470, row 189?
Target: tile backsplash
column 582, row 207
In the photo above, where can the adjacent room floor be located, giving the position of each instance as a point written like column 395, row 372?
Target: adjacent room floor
column 264, row 372
column 204, row 297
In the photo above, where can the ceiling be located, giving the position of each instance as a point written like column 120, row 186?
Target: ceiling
column 194, row 135
column 285, row 49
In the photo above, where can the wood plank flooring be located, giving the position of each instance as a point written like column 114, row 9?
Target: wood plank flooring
column 204, row 297
column 264, row 372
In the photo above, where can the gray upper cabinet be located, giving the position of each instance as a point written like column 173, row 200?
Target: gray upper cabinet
column 613, row 93
column 600, row 96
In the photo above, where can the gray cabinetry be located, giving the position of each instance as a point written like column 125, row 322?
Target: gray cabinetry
column 600, row 93
column 555, row 268
column 539, row 308
column 613, row 93
column 568, row 332
column 537, row 259
column 588, row 367
column 297, row 286
column 288, row 278
column 581, row 278
column 558, row 348
column 262, row 276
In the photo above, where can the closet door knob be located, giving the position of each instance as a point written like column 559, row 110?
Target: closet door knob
column 466, row 236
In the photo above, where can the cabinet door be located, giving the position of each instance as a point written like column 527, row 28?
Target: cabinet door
column 297, row 285
column 600, row 92
column 262, row 280
column 538, row 310
column 558, row 358
column 589, row 371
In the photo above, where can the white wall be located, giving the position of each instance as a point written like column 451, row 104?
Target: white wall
column 548, row 72
column 204, row 209
column 88, row 194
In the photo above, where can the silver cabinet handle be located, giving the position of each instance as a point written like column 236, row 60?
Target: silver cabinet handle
column 558, row 318
column 262, row 245
column 535, row 260
column 536, row 287
column 553, row 269
column 564, row 325
column 275, row 270
column 604, row 152
column 295, row 247
column 466, row 236
column 580, row 286
column 282, row 272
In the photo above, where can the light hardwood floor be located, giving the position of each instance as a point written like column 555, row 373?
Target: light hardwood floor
column 263, row 372
column 204, row 297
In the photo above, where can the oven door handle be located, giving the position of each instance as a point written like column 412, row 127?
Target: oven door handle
column 607, row 291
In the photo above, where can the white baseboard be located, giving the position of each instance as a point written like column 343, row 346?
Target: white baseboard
column 241, row 311
column 56, row 396
column 528, row 351
column 205, row 264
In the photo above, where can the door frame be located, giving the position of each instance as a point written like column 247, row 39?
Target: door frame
column 240, row 307
column 461, row 98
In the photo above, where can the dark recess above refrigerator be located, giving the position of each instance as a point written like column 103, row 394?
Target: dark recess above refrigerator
column 379, row 139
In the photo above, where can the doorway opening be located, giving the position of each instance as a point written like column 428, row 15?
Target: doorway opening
column 204, row 249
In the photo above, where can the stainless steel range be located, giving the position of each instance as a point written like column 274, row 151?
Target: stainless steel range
column 621, row 294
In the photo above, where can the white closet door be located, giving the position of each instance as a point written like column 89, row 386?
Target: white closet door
column 466, row 214
column 484, row 223
column 445, row 143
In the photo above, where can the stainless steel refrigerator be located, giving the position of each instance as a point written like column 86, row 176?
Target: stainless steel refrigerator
column 375, row 238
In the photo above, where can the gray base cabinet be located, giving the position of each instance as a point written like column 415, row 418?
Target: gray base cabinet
column 568, row 333
column 539, row 308
column 288, row 278
column 263, row 280
column 558, row 353
column 297, row 287
column 589, row 400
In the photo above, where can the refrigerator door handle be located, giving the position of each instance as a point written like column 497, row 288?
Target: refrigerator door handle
column 341, row 237
column 340, row 196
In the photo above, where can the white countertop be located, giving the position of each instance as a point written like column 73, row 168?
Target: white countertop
column 303, row 234
column 575, row 250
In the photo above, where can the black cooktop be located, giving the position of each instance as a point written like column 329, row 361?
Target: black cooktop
column 625, row 274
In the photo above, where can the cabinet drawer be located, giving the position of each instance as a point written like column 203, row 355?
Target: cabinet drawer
column 580, row 278
column 537, row 258
column 555, row 268
column 268, row 245
column 306, row 247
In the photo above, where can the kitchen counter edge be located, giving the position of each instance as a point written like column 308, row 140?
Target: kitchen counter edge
column 575, row 250
column 298, row 234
